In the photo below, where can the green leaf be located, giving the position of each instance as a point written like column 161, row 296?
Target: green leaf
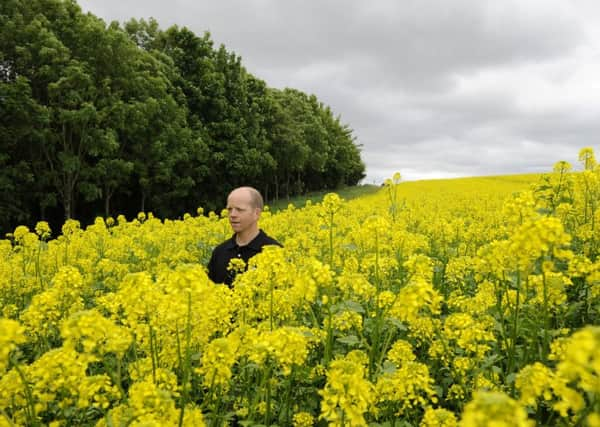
column 388, row 367
column 397, row 323
column 349, row 305
column 510, row 378
column 350, row 340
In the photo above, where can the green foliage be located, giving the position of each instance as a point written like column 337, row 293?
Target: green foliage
column 98, row 119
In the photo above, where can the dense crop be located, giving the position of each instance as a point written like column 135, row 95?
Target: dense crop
column 435, row 303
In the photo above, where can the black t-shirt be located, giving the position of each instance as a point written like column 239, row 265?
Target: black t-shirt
column 222, row 254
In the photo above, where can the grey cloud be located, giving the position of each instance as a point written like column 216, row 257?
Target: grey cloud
column 415, row 42
column 407, row 75
column 419, row 43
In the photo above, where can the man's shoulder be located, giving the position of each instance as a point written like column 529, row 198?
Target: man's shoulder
column 265, row 240
column 227, row 244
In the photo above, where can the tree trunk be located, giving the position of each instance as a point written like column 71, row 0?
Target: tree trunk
column 266, row 193
column 299, row 183
column 108, row 195
column 68, row 202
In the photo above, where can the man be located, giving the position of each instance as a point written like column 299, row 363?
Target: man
column 244, row 205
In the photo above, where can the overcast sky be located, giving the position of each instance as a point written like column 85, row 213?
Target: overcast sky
column 432, row 89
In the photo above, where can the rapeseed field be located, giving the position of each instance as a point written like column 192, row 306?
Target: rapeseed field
column 459, row 302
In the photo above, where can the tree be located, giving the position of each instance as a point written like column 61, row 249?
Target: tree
column 287, row 139
column 103, row 118
column 19, row 118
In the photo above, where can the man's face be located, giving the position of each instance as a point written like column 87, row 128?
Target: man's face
column 243, row 216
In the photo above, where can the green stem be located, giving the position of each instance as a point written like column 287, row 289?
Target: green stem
column 500, row 291
column 116, row 377
column 386, row 343
column 179, row 358
column 329, row 341
column 38, row 270
column 262, row 386
column 268, row 397
column 29, row 396
column 271, row 305
column 313, row 316
column 152, row 355
column 377, row 280
column 331, row 239
column 187, row 361
column 375, row 344
column 515, row 325
column 588, row 304
column 288, row 394
column 546, row 345
column 218, row 406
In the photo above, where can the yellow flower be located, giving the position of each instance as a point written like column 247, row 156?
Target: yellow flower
column 534, row 381
column 346, row 320
column 303, row 419
column 347, row 395
column 11, row 334
column 71, row 227
column 332, row 203
column 43, row 230
column 438, row 418
column 468, row 333
column 20, row 232
column 580, row 359
column 593, row 420
column 49, row 307
column 409, row 386
column 400, row 352
column 286, row 346
column 416, row 300
column 586, row 155
column 494, row 409
column 550, row 289
column 355, row 285
column 217, row 361
column 95, row 334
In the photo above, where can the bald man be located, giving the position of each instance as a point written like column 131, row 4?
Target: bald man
column 244, row 205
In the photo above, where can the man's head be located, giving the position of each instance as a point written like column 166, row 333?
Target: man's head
column 244, row 205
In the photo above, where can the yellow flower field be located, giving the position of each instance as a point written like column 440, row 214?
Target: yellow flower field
column 462, row 302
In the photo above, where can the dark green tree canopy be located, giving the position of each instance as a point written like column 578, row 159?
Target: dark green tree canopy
column 100, row 119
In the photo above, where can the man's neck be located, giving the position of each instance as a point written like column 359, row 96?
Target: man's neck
column 242, row 239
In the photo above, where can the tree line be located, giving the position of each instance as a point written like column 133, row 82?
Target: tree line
column 99, row 119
